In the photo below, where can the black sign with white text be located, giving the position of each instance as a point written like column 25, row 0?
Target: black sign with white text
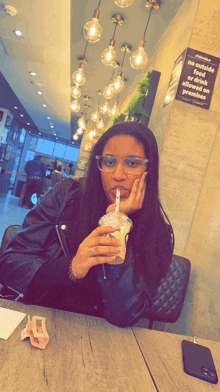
column 197, row 78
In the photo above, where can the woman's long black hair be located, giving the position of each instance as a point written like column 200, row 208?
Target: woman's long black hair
column 150, row 237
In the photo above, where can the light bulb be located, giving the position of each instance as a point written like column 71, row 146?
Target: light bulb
column 109, row 56
column 95, row 116
column 81, row 122
column 75, row 106
column 105, row 108
column 78, row 77
column 124, row 3
column 79, row 131
column 92, row 30
column 109, row 91
column 114, row 111
column 75, row 137
column 75, row 91
column 100, row 124
column 118, row 84
column 139, row 59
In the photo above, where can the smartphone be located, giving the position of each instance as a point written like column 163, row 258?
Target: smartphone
column 198, row 362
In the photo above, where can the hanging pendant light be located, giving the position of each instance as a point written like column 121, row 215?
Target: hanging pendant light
column 93, row 30
column 95, row 115
column 114, row 111
column 109, row 91
column 76, row 92
column 124, row 3
column 82, row 122
column 105, row 107
column 100, row 124
column 109, row 55
column 75, row 106
column 118, row 84
column 139, row 58
column 79, row 131
column 78, row 77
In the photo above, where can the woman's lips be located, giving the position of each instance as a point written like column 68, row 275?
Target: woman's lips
column 123, row 192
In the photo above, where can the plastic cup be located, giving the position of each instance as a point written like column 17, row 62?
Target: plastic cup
column 124, row 225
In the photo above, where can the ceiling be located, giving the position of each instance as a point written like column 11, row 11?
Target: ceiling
column 51, row 45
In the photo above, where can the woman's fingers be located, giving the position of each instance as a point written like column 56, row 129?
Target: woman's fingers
column 99, row 231
column 103, row 250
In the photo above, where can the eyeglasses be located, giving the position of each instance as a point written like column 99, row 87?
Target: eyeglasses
column 131, row 165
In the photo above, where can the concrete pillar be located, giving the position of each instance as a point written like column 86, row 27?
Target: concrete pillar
column 190, row 183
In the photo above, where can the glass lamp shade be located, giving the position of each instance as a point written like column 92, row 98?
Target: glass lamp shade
column 124, row 3
column 78, row 77
column 81, row 122
column 109, row 56
column 139, row 59
column 75, row 91
column 105, row 108
column 100, row 124
column 95, row 116
column 118, row 84
column 75, row 106
column 75, row 137
column 92, row 30
column 79, row 131
column 114, row 111
column 109, row 91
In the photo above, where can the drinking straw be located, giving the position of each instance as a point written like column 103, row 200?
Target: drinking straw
column 117, row 201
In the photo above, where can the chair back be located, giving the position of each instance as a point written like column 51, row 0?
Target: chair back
column 169, row 300
column 8, row 236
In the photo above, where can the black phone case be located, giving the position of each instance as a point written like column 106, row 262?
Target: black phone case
column 198, row 362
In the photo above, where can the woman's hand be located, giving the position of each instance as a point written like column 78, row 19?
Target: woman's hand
column 135, row 200
column 95, row 249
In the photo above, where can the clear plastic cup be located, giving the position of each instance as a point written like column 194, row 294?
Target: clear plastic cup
column 124, row 226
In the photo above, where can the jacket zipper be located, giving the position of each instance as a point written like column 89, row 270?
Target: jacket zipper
column 60, row 239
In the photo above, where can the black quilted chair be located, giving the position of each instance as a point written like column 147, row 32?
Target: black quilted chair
column 169, row 300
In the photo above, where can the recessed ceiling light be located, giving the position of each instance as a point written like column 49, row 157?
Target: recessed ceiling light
column 18, row 33
column 15, row 107
column 49, row 118
column 39, row 92
column 28, row 124
column 21, row 115
column 44, row 105
column 51, row 126
column 32, row 73
column 39, row 133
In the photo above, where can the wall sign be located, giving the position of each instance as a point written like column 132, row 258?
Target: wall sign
column 197, row 78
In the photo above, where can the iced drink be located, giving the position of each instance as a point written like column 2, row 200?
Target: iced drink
column 124, row 226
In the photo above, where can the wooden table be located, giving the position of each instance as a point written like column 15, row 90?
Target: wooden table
column 163, row 354
column 84, row 354
column 87, row 354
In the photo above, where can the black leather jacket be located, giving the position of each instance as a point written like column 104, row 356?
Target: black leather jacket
column 36, row 265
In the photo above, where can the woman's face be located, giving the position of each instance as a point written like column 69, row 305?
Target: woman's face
column 121, row 147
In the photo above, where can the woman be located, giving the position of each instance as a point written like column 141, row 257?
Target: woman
column 61, row 259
